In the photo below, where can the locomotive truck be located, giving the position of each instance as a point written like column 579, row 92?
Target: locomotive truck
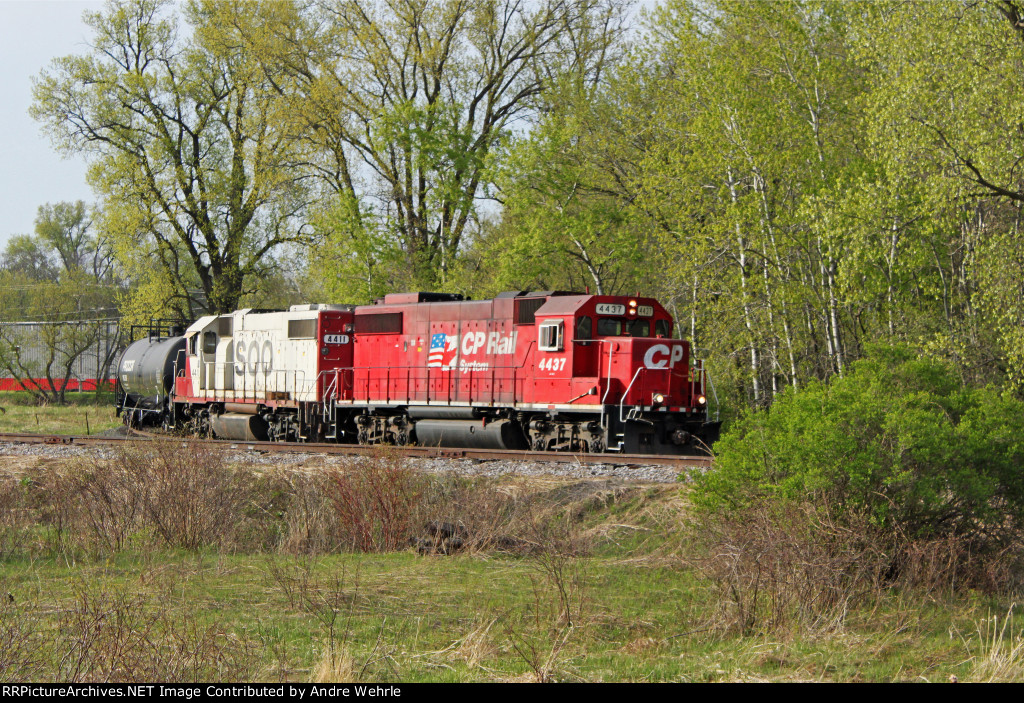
column 545, row 371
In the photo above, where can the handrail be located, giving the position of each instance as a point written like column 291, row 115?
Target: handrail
column 608, row 385
column 471, row 376
column 622, row 400
column 299, row 385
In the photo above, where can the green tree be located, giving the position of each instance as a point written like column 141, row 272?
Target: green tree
column 29, row 257
column 568, row 190
column 943, row 110
column 408, row 104
column 747, row 124
column 193, row 160
column 48, row 326
column 58, row 293
column 65, row 228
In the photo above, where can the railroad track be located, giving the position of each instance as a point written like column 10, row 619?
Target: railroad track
column 412, row 452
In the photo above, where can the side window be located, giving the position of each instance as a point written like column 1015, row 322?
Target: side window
column 550, row 336
column 193, row 344
column 209, row 342
column 584, row 328
column 661, row 328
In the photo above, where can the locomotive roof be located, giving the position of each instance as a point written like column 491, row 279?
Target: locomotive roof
column 571, row 304
column 563, row 304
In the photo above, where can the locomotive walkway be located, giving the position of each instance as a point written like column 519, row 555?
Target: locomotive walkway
column 412, row 452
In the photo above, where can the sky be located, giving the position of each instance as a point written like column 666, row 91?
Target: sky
column 32, row 34
column 32, row 173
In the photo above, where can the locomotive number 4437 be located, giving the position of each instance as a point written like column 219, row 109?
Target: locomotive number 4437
column 552, row 364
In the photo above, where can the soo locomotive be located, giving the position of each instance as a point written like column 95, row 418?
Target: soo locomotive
column 525, row 370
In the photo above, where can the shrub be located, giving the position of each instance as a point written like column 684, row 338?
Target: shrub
column 21, row 642
column 375, row 502
column 118, row 636
column 178, row 493
column 15, row 520
column 192, row 497
column 898, row 439
column 779, row 564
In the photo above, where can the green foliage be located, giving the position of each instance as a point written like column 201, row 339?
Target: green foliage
column 408, row 107
column 898, row 437
column 941, row 111
column 189, row 146
column 62, row 281
column 28, row 256
column 568, row 221
column 793, row 179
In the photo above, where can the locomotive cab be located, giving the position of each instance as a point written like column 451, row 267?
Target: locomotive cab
column 616, row 355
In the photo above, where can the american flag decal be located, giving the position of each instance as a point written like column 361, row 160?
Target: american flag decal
column 442, row 351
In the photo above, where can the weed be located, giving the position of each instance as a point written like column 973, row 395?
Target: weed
column 22, row 648
column 375, row 502
column 15, row 520
column 335, row 666
column 115, row 635
column 1001, row 655
column 780, row 565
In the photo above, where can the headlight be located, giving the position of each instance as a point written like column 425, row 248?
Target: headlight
column 658, row 398
column 701, row 400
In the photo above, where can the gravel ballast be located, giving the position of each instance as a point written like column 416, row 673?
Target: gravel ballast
column 466, row 467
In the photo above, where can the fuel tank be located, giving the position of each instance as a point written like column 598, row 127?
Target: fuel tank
column 499, row 434
column 240, row 426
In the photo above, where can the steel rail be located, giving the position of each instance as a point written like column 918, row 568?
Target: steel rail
column 412, row 452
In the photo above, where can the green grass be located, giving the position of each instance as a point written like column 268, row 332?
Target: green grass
column 641, row 612
column 83, row 413
column 616, row 558
column 404, row 617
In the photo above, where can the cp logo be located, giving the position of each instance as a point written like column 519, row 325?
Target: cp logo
column 661, row 357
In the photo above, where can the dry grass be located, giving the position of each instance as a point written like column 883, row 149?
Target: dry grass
column 335, row 666
column 477, row 646
column 1000, row 655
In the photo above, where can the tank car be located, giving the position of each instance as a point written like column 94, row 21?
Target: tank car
column 145, row 376
column 525, row 370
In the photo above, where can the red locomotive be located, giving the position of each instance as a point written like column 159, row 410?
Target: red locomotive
column 525, row 370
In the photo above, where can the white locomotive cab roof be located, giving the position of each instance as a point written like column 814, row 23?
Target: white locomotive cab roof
column 201, row 324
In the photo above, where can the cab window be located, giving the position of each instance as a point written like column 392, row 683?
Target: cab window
column 661, row 328
column 611, row 327
column 639, row 328
column 209, row 342
column 584, row 328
